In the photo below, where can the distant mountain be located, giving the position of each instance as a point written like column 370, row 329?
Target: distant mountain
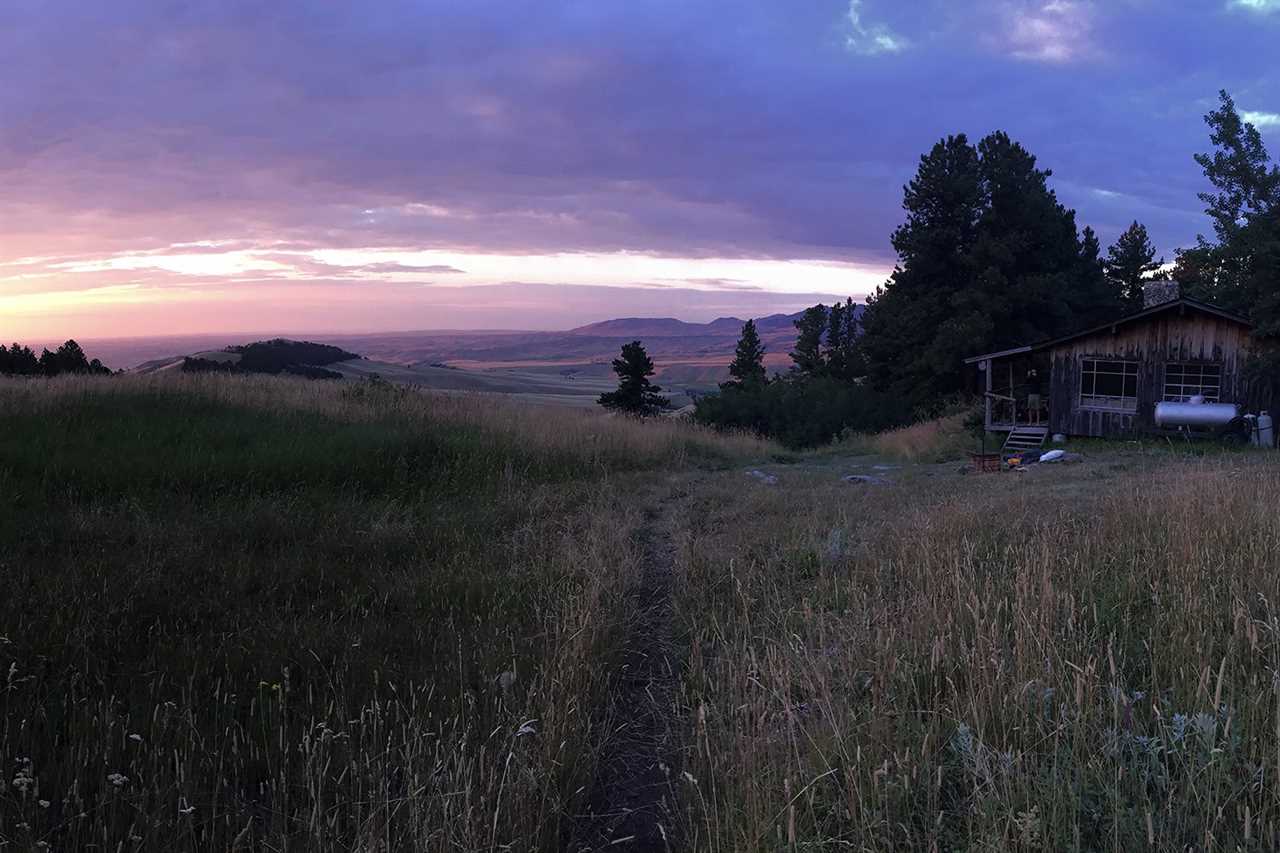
column 669, row 327
column 664, row 327
column 692, row 355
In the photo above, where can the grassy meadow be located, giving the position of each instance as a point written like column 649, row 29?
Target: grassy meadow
column 273, row 614
column 277, row 614
column 1086, row 660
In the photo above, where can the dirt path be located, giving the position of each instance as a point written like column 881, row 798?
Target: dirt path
column 632, row 801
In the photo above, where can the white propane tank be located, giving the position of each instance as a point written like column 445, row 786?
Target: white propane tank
column 1266, row 431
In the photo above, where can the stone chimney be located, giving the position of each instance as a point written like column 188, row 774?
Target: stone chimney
column 1158, row 292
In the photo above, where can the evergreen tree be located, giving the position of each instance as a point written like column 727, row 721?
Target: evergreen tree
column 807, row 354
column 833, row 351
column 843, row 356
column 636, row 395
column 943, row 203
column 1130, row 263
column 988, row 258
column 747, row 368
column 18, row 360
column 1237, row 270
column 68, row 358
column 1097, row 299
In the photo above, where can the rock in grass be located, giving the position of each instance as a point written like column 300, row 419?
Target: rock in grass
column 767, row 479
column 868, row 479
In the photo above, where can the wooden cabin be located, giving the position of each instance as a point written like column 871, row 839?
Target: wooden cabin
column 1106, row 381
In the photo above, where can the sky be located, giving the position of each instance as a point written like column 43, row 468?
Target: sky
column 177, row 167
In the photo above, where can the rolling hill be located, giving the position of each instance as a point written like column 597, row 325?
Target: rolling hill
column 570, row 367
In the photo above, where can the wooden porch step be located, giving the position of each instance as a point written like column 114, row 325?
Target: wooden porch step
column 1025, row 438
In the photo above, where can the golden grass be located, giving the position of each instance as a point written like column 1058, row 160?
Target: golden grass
column 938, row 440
column 1000, row 664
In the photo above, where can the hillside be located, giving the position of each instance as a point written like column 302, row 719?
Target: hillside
column 325, row 600
column 570, row 367
column 234, row 601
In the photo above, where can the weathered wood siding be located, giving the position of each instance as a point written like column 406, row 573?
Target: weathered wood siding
column 1172, row 337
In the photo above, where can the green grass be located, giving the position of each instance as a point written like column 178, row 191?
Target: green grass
column 283, row 611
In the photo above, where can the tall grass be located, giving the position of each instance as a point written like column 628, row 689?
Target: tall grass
column 248, row 613
column 985, row 667
column 938, row 440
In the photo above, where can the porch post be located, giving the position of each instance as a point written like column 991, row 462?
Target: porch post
column 987, row 397
column 1013, row 397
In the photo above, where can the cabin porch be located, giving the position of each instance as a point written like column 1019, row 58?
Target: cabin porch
column 1016, row 389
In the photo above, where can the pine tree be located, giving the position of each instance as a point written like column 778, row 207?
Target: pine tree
column 636, row 395
column 1237, row 270
column 844, row 356
column 807, row 354
column 1096, row 298
column 833, row 351
column 747, row 368
column 988, row 258
column 1130, row 263
column 943, row 203
column 19, row 361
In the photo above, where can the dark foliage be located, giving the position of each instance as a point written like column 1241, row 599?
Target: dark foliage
column 987, row 258
column 297, row 358
column 276, row 356
column 747, row 369
column 194, row 364
column 1130, row 263
column 802, row 412
column 822, row 396
column 1240, row 268
column 842, row 354
column 18, row 360
column 810, row 329
column 636, row 395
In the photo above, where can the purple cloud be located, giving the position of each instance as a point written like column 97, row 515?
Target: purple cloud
column 753, row 128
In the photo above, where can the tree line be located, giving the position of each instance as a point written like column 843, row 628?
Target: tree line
column 279, row 355
column 19, row 360
column 988, row 258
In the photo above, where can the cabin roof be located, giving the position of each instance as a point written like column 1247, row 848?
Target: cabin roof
column 1182, row 303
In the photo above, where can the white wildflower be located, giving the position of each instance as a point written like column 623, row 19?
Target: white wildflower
column 118, row 779
column 136, row 738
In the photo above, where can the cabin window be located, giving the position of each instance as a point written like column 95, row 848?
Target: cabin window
column 1109, row 385
column 1184, row 381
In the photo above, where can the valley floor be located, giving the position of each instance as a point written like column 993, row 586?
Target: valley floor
column 270, row 613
